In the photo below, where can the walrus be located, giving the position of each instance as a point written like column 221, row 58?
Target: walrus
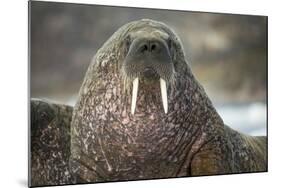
column 49, row 143
column 141, row 114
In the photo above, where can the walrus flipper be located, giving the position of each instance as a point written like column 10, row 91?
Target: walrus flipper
column 231, row 152
column 213, row 158
column 250, row 152
column 50, row 143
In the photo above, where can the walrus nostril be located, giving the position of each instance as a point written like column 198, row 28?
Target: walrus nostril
column 153, row 46
column 149, row 46
column 144, row 48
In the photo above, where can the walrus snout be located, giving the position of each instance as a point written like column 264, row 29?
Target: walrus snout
column 150, row 73
column 148, row 55
column 155, row 52
column 148, row 58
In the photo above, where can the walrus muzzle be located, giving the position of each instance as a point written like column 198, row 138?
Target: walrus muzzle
column 148, row 58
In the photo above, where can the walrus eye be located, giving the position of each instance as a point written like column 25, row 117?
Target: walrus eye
column 128, row 41
column 169, row 42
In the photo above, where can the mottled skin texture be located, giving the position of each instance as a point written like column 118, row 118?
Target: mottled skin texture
column 50, row 143
column 108, row 143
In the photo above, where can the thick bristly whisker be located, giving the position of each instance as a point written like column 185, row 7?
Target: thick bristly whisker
column 164, row 94
column 134, row 94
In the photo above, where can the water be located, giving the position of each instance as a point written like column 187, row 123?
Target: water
column 246, row 118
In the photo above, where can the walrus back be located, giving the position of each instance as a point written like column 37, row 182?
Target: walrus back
column 249, row 152
column 50, row 143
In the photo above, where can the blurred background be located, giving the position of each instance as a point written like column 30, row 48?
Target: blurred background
column 227, row 53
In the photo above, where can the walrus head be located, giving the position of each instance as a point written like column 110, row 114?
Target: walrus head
column 145, row 58
column 140, row 111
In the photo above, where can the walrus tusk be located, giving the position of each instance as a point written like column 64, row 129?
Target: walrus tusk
column 164, row 94
column 134, row 94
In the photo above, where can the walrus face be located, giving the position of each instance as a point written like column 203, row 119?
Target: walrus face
column 149, row 59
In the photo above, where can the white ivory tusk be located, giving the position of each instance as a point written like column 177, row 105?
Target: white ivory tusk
column 134, row 94
column 164, row 94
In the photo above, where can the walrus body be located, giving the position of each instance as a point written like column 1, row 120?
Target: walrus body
column 50, row 143
column 141, row 114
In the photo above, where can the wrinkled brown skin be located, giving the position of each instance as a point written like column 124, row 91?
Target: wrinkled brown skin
column 50, row 143
column 108, row 143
